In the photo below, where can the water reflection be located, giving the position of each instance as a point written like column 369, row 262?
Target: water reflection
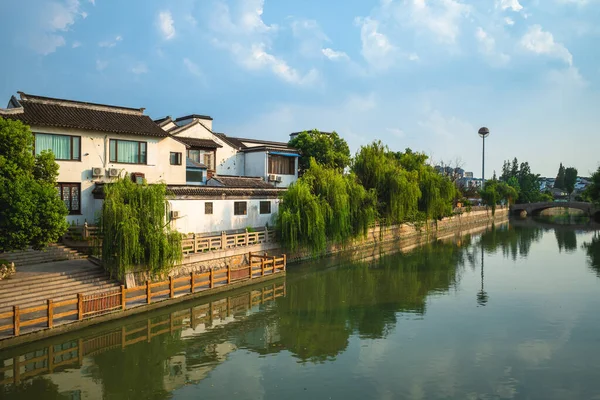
column 397, row 326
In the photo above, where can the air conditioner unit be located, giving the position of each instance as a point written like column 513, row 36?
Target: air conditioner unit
column 113, row 172
column 174, row 214
column 272, row 178
column 278, row 179
column 98, row 171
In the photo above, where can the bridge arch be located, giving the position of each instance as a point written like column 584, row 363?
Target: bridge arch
column 536, row 208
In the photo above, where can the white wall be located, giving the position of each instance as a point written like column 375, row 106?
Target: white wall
column 193, row 220
column 94, row 153
column 256, row 164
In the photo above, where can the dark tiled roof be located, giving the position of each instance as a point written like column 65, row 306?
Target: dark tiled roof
column 194, row 116
column 261, row 142
column 44, row 111
column 271, row 148
column 233, row 142
column 194, row 142
column 189, row 163
column 218, row 192
column 163, row 121
column 229, row 181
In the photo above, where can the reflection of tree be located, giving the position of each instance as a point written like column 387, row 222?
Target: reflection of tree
column 593, row 252
column 138, row 372
column 514, row 241
column 36, row 388
column 566, row 239
column 322, row 310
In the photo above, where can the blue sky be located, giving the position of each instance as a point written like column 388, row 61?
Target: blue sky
column 424, row 74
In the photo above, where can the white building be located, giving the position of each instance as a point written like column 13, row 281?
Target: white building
column 218, row 183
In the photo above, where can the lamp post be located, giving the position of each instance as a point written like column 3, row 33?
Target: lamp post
column 483, row 132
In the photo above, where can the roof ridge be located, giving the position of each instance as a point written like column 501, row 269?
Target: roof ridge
column 80, row 104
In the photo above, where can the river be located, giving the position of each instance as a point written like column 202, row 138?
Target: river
column 511, row 313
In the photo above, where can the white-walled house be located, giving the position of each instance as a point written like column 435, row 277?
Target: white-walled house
column 274, row 162
column 95, row 143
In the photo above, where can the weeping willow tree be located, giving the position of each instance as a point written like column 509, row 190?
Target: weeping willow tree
column 135, row 231
column 397, row 190
column 300, row 219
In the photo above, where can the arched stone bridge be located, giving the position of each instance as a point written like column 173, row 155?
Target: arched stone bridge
column 589, row 209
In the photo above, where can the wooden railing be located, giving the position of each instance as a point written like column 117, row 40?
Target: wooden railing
column 195, row 243
column 15, row 369
column 92, row 305
column 82, row 232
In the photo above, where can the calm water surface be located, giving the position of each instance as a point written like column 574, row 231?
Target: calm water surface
column 510, row 314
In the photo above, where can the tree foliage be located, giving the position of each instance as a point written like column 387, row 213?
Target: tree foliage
column 559, row 182
column 328, row 149
column 520, row 178
column 496, row 191
column 570, row 179
column 31, row 213
column 134, row 229
column 592, row 192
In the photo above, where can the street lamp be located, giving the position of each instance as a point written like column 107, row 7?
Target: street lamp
column 483, row 132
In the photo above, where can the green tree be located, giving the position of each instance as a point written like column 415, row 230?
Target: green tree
column 31, row 214
column 592, row 192
column 559, row 183
column 134, row 229
column 328, row 149
column 570, row 179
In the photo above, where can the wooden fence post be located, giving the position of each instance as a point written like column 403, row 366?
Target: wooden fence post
column 195, row 248
column 274, row 264
column 16, row 370
column 246, row 238
column 266, row 235
column 223, row 240
column 123, row 298
column 192, row 282
column 211, row 278
column 171, row 287
column 50, row 313
column 16, row 320
column 262, row 267
column 80, row 306
column 284, row 262
column 228, row 274
column 148, row 293
column 51, row 358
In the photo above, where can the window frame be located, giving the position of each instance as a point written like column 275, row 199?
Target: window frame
column 264, row 203
column 201, row 153
column 273, row 160
column 60, row 186
column 236, row 210
column 116, row 158
column 207, row 205
column 71, row 145
column 178, row 160
column 189, row 170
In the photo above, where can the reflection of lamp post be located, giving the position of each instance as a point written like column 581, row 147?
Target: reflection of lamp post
column 482, row 296
column 483, row 132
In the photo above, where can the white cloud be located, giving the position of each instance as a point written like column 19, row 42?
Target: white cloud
column 193, row 68
column 166, row 24
column 310, row 37
column 140, row 68
column 101, row 65
column 444, row 127
column 487, row 46
column 249, row 39
column 93, row 2
column 111, row 43
column 54, row 17
column 514, row 5
column 538, row 41
column 334, row 55
column 376, row 47
column 441, row 17
column 76, row 44
column 567, row 79
column 509, row 21
column 396, row 132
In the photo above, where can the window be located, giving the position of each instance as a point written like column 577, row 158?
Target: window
column 70, row 195
column 127, row 151
column 64, row 147
column 208, row 208
column 265, row 207
column 175, row 158
column 282, row 165
column 240, row 208
column 205, row 157
column 194, row 175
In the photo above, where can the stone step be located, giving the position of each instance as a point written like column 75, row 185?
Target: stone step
column 67, row 287
column 41, row 286
column 58, row 295
column 26, row 276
